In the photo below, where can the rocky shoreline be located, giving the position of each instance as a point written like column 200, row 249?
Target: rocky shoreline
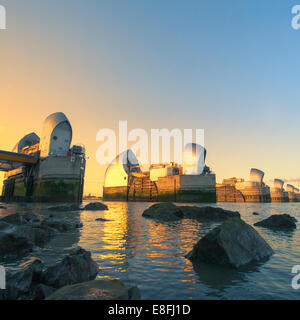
column 23, row 234
column 232, row 243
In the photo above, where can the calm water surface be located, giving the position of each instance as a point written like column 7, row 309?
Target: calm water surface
column 149, row 254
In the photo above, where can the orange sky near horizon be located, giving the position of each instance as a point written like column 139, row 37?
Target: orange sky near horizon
column 99, row 72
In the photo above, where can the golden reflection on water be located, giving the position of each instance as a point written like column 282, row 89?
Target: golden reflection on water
column 126, row 235
column 110, row 233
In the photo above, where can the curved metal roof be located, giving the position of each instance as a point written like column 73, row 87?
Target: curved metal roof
column 256, row 175
column 290, row 188
column 28, row 140
column 127, row 159
column 118, row 170
column 278, row 183
column 50, row 123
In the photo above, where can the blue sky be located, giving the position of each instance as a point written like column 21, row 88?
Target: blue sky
column 230, row 67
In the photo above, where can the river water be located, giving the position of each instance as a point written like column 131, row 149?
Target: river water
column 151, row 255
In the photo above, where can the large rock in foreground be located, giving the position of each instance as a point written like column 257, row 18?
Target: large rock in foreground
column 234, row 243
column 19, row 282
column 170, row 212
column 278, row 222
column 95, row 290
column 77, row 266
column 93, row 206
column 31, row 281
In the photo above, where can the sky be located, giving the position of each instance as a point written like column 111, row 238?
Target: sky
column 228, row 67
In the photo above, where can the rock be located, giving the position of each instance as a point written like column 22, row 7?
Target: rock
column 75, row 267
column 37, row 235
column 19, row 219
column 19, row 282
column 164, row 212
column 41, row 291
column 234, row 243
column 12, row 242
column 278, row 222
column 64, row 208
column 78, row 225
column 59, row 224
column 134, row 293
column 170, row 212
column 20, row 239
column 93, row 290
column 31, row 282
column 95, row 206
column 20, row 233
column 208, row 213
column 5, row 225
column 255, row 213
column 35, row 265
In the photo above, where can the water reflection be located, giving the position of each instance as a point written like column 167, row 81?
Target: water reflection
column 221, row 277
column 151, row 255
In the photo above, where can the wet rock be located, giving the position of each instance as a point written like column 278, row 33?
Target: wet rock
column 95, row 206
column 255, row 213
column 171, row 212
column 234, row 243
column 64, row 208
column 14, row 243
column 134, row 293
column 4, row 225
column 57, row 223
column 30, row 281
column 19, row 282
column 75, row 267
column 19, row 219
column 36, row 265
column 20, row 239
column 94, row 290
column 41, row 291
column 164, row 212
column 208, row 213
column 278, row 222
column 20, row 233
column 37, row 235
